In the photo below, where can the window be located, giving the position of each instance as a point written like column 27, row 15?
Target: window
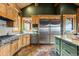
column 69, row 24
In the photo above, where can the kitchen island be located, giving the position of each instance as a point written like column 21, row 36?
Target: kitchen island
column 67, row 45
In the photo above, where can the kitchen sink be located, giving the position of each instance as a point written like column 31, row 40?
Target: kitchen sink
column 6, row 36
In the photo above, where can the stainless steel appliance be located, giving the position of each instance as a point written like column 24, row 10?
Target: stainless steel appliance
column 47, row 30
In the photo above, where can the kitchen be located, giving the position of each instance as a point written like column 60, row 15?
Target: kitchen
column 26, row 28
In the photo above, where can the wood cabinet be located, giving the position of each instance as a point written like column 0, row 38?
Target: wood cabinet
column 8, row 10
column 14, row 46
column 35, row 20
column 26, row 40
column 20, row 42
column 2, row 9
column 5, row 50
column 15, row 14
column 17, row 24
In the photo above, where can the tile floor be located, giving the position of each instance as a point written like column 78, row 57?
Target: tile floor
column 36, row 50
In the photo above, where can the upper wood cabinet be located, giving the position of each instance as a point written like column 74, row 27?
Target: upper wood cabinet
column 8, row 10
column 2, row 9
column 35, row 20
column 12, row 13
column 17, row 24
column 15, row 14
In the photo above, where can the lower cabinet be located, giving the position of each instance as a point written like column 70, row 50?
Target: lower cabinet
column 65, row 48
column 14, row 46
column 20, row 42
column 26, row 40
column 58, row 46
column 69, row 48
column 5, row 50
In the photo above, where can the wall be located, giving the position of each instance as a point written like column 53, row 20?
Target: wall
column 68, row 8
column 41, row 9
column 77, row 19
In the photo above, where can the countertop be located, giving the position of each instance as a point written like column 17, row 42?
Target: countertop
column 74, row 39
column 9, row 38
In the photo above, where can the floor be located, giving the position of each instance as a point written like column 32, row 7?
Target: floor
column 37, row 50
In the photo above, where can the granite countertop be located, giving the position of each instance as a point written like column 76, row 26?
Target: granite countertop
column 9, row 38
column 74, row 39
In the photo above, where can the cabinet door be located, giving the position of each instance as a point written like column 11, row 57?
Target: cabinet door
column 58, row 45
column 2, row 9
column 28, row 39
column 24, row 40
column 15, row 14
column 17, row 24
column 33, row 20
column 5, row 50
column 37, row 19
column 9, row 12
column 14, row 47
column 69, row 48
column 20, row 43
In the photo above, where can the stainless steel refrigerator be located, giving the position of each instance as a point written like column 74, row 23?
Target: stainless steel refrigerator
column 48, row 29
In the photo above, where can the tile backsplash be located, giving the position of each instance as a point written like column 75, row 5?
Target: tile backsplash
column 4, row 29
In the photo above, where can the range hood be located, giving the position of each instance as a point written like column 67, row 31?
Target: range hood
column 5, row 19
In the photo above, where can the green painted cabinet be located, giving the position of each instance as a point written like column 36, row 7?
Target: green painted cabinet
column 68, row 49
column 65, row 48
column 58, row 46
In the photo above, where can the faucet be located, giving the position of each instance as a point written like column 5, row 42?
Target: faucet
column 7, row 33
